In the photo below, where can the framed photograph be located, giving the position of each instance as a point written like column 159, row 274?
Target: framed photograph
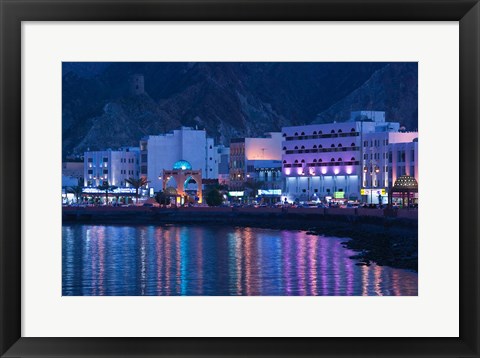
column 239, row 178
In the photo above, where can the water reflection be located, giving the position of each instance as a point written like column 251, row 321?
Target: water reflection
column 221, row 261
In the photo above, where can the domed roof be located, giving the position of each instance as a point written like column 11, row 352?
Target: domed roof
column 406, row 182
column 182, row 165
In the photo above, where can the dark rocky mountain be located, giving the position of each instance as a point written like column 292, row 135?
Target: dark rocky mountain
column 100, row 110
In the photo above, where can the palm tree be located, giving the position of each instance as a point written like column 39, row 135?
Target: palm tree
column 76, row 190
column 137, row 184
column 107, row 187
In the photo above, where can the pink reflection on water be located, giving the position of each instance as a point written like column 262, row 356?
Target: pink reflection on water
column 312, row 264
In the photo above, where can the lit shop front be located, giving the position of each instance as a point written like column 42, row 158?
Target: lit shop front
column 269, row 196
column 117, row 195
column 374, row 195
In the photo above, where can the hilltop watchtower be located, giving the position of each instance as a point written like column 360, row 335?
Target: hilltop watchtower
column 137, row 84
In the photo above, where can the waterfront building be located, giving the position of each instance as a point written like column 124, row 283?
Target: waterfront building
column 111, row 166
column 269, row 173
column 161, row 152
column 245, row 152
column 73, row 169
column 339, row 161
column 386, row 156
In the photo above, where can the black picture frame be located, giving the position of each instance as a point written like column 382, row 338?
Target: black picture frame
column 13, row 12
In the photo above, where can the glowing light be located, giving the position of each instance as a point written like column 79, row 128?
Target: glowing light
column 299, row 171
column 349, row 170
column 288, row 171
column 336, row 171
column 324, row 171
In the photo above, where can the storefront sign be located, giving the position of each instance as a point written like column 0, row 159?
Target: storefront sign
column 270, row 192
column 235, row 193
column 339, row 195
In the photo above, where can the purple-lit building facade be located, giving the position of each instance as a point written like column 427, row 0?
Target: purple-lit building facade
column 348, row 160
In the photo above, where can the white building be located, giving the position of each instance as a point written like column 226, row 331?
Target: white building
column 244, row 152
column 381, row 153
column 159, row 152
column 339, row 160
column 112, row 166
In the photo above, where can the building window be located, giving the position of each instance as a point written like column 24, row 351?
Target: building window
column 296, row 147
column 314, row 146
column 105, row 159
column 412, row 155
column 144, row 158
column 339, row 131
column 390, row 157
column 352, row 145
column 90, row 171
column 284, row 148
column 365, row 143
column 314, row 160
column 332, row 131
column 210, row 158
column 332, row 146
column 296, row 134
column 412, row 171
column 314, row 132
column 339, row 159
column 352, row 130
column 303, row 133
column 303, row 147
column 332, row 160
column 352, row 159
column 105, row 171
column 90, row 160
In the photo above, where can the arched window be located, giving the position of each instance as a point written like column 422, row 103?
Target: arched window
column 314, row 132
column 314, row 160
column 284, row 148
column 333, row 146
column 320, row 146
column 284, row 162
column 284, row 134
column 303, row 147
column 314, row 146
column 332, row 131
column 303, row 133
column 296, row 161
column 320, row 132
column 353, row 144
column 339, row 131
column 332, row 160
column 339, row 159
column 320, row 160
column 340, row 145
column 303, row 160
column 296, row 147
column 296, row 133
column 352, row 159
column 352, row 130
